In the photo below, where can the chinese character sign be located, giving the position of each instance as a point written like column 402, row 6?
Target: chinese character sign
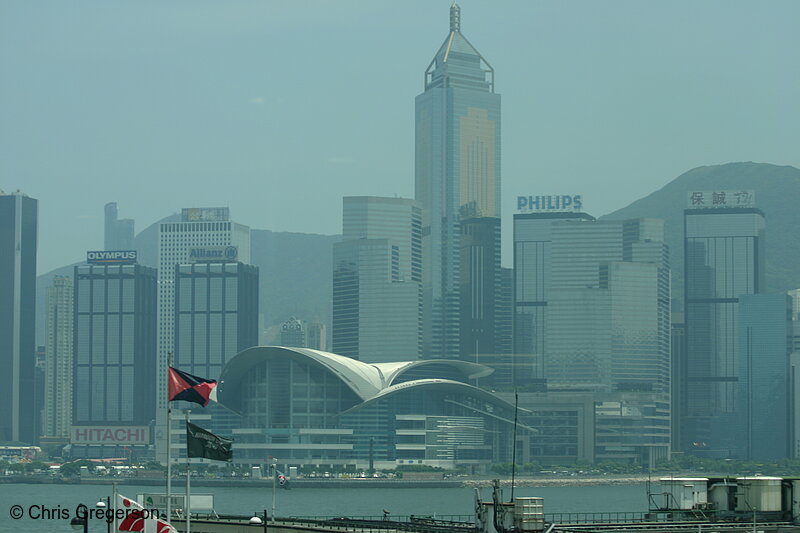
column 717, row 199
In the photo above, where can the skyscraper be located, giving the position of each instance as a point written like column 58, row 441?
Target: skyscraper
column 607, row 331
column 202, row 233
column 18, row 235
column 607, row 327
column 58, row 358
column 293, row 333
column 457, row 176
column 763, row 396
column 118, row 232
column 532, row 270
column 723, row 259
column 377, row 280
column 216, row 314
column 114, row 358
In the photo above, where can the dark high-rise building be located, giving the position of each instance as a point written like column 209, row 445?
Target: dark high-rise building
column 118, row 232
column 216, row 317
column 114, row 358
column 532, row 269
column 18, row 235
column 480, row 289
column 763, row 396
column 723, row 260
column 457, row 176
column 216, row 314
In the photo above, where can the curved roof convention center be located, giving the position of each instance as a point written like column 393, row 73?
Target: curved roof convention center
column 369, row 381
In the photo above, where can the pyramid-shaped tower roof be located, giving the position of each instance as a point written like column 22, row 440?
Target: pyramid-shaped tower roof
column 458, row 63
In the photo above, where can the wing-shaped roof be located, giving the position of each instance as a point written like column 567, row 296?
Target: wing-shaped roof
column 367, row 381
column 470, row 370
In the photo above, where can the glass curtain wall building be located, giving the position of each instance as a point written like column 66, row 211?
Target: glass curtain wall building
column 19, row 419
column 115, row 357
column 216, row 317
column 457, row 175
column 724, row 259
column 532, row 266
column 307, row 407
column 607, row 331
column 763, row 396
column 377, row 275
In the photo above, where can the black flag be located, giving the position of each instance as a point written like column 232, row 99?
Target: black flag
column 203, row 443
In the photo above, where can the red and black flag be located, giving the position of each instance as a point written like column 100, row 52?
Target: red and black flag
column 189, row 388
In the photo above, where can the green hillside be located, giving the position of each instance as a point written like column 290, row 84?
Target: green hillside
column 777, row 192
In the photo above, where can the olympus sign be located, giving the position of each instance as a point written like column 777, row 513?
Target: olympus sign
column 533, row 204
column 115, row 257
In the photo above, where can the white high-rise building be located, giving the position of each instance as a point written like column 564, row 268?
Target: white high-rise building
column 202, row 234
column 58, row 358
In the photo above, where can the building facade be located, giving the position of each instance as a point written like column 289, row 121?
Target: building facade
column 114, row 359
column 607, row 331
column 119, row 233
column 57, row 416
column 293, row 333
column 762, row 397
column 723, row 259
column 377, row 275
column 19, row 419
column 202, row 233
column 532, row 267
column 307, row 407
column 457, row 176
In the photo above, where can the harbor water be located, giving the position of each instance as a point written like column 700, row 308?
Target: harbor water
column 351, row 502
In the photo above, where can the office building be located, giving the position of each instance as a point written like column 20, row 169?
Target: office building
column 114, row 359
column 119, row 233
column 607, row 331
column 57, row 416
column 293, row 333
column 607, row 326
column 480, row 289
column 377, row 280
column 723, row 260
column 317, row 336
column 202, row 233
column 18, row 235
column 762, row 395
column 457, row 176
column 532, row 267
column 216, row 314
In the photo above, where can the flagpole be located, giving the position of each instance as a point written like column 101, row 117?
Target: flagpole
column 169, row 443
column 114, row 505
column 188, row 478
column 274, row 468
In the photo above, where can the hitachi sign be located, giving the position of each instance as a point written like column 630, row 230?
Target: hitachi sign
column 550, row 203
column 114, row 257
column 110, row 435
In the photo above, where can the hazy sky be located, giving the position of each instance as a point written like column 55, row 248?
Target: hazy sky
column 278, row 109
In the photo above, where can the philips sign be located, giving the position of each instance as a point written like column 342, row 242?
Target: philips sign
column 116, row 257
column 214, row 254
column 531, row 204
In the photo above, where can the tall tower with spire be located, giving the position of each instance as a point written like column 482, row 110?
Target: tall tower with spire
column 457, row 182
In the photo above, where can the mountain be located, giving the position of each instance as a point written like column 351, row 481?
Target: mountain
column 777, row 192
column 295, row 274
